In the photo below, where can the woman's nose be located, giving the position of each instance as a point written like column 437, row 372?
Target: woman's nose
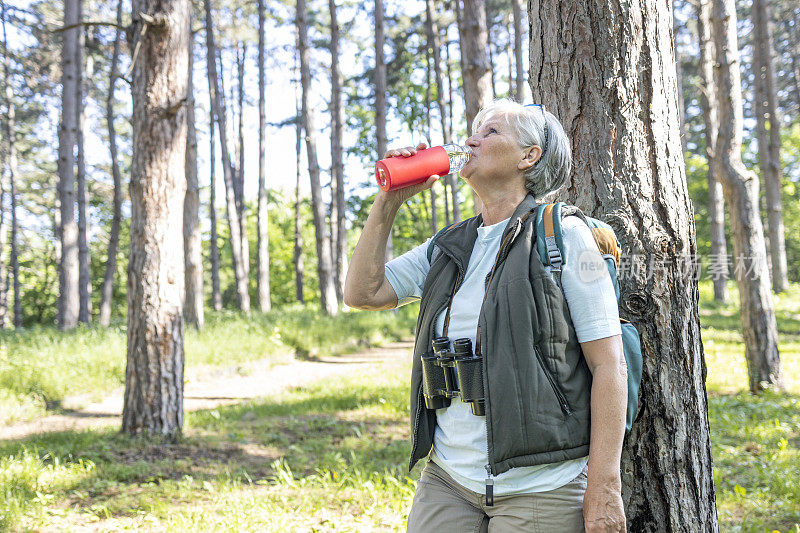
column 472, row 142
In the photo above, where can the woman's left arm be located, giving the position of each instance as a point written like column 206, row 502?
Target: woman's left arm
column 602, row 503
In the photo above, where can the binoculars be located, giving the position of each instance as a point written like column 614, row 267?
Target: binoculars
column 447, row 374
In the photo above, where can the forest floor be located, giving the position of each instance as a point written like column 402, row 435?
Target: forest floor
column 319, row 442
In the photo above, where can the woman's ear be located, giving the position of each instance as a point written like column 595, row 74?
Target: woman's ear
column 531, row 156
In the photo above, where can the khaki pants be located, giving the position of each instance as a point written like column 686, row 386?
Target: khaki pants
column 443, row 506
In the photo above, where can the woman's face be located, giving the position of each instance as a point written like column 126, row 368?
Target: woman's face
column 496, row 154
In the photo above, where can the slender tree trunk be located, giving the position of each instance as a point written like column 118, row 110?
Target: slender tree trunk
column 489, row 25
column 193, row 311
column 262, row 279
column 107, row 292
column 241, row 206
column 337, row 163
column 679, row 81
column 628, row 170
column 216, row 296
column 3, row 231
column 710, row 107
column 84, row 278
column 769, row 139
column 299, row 268
column 153, row 401
column 324, row 265
column 432, row 192
column 11, row 146
column 519, row 79
column 239, row 268
column 380, row 98
column 473, row 40
column 452, row 179
column 68, row 274
column 740, row 186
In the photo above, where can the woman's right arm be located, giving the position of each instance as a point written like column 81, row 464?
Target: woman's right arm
column 366, row 286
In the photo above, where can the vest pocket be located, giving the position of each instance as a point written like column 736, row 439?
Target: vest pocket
column 562, row 400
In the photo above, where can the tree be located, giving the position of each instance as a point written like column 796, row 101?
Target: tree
column 107, row 290
column 708, row 102
column 519, row 78
column 768, row 125
column 628, row 170
column 216, row 296
column 263, row 214
column 380, row 97
column 324, row 266
column 740, row 186
column 11, row 134
column 239, row 268
column 84, row 279
column 297, row 257
column 193, row 310
column 68, row 303
column 241, row 206
column 153, row 401
column 338, row 208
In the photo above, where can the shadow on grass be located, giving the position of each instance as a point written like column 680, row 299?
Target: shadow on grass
column 322, row 432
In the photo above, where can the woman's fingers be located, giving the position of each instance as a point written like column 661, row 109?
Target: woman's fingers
column 407, row 151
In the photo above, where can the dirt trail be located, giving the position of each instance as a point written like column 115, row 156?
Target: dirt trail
column 210, row 387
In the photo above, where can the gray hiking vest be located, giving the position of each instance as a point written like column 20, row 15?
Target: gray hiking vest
column 536, row 381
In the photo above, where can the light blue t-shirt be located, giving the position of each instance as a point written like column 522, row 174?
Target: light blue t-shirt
column 460, row 443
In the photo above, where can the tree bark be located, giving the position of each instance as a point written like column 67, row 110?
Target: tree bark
column 153, row 401
column 431, row 191
column 679, row 82
column 216, row 296
column 607, row 71
column 193, row 311
column 107, row 293
column 68, row 278
column 489, row 40
column 519, row 89
column 740, row 186
column 11, row 133
column 768, row 125
column 324, row 266
column 380, row 98
column 264, row 303
column 239, row 268
column 84, row 277
column 337, row 163
column 710, row 107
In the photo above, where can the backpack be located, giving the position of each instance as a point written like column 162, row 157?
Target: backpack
column 549, row 243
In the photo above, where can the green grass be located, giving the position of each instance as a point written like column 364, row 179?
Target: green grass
column 41, row 366
column 331, row 456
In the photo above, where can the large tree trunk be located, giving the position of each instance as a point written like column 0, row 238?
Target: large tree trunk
column 615, row 94
column 216, row 296
column 708, row 103
column 380, row 98
column 84, row 278
column 324, row 265
column 154, row 373
column 107, row 292
column 769, row 138
column 68, row 268
column 337, row 163
column 519, row 88
column 740, row 186
column 239, row 268
column 192, row 241
column 262, row 279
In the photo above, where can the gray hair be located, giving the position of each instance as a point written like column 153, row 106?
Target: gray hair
column 553, row 168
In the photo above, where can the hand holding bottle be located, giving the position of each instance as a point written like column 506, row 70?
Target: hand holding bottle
column 406, row 167
column 398, row 196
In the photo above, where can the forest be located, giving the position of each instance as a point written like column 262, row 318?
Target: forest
column 182, row 185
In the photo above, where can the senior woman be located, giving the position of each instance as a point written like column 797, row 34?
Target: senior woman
column 546, row 455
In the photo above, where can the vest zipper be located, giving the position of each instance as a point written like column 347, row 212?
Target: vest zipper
column 420, row 400
column 562, row 400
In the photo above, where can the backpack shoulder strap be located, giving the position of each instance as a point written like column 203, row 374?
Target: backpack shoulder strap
column 549, row 234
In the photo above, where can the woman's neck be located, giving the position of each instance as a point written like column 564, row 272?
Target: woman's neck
column 497, row 208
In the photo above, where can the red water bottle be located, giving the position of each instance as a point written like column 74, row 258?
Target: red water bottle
column 398, row 172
